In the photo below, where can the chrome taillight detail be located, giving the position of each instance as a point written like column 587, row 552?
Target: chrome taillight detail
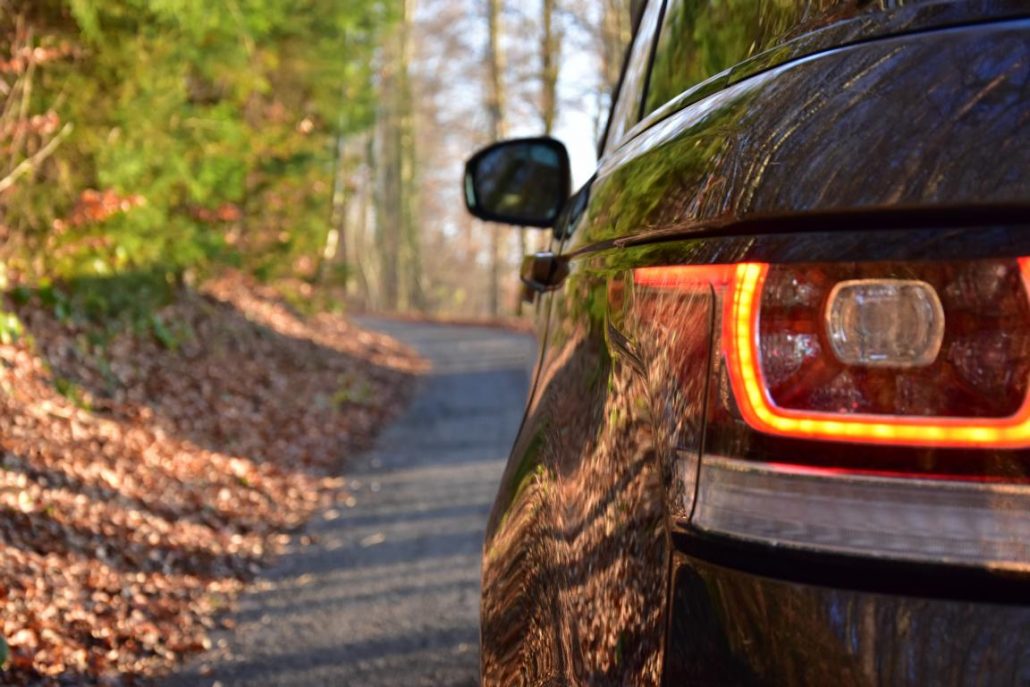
column 920, row 520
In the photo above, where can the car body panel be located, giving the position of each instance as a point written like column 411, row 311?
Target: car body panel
column 914, row 145
column 730, row 628
column 851, row 129
column 771, row 34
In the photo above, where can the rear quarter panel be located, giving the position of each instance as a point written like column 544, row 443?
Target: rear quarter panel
column 579, row 552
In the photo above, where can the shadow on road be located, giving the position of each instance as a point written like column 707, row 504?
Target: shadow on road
column 389, row 592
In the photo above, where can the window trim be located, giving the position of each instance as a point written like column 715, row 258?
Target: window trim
column 650, row 66
column 602, row 146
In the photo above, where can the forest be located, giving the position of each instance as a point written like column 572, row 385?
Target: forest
column 194, row 198
column 155, row 143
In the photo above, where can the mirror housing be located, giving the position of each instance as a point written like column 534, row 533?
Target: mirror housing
column 524, row 181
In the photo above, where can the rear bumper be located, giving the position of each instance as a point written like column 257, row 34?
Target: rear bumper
column 730, row 626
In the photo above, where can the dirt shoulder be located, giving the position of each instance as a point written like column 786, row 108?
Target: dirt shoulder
column 147, row 476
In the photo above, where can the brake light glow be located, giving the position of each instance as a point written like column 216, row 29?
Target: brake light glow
column 919, row 370
column 679, row 277
column 777, row 344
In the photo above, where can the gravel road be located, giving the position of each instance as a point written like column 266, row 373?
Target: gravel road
column 389, row 592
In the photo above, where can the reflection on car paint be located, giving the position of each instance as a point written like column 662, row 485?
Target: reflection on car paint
column 581, row 576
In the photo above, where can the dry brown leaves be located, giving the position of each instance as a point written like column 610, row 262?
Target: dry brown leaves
column 133, row 508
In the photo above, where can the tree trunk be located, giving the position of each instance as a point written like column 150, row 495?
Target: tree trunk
column 396, row 222
column 386, row 215
column 390, row 195
column 334, row 250
column 549, row 56
column 495, row 108
column 411, row 254
column 361, row 242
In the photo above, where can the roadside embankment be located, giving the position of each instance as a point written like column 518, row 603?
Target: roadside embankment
column 147, row 473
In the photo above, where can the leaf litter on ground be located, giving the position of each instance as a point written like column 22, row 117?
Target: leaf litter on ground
column 144, row 480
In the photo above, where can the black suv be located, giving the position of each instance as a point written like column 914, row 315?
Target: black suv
column 780, row 428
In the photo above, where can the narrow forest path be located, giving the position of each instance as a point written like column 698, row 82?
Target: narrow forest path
column 389, row 592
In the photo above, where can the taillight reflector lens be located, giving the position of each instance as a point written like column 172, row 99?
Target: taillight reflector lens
column 896, row 323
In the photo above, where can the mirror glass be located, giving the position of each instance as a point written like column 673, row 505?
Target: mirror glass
column 519, row 182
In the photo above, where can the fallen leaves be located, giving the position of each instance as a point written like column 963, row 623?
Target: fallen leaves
column 136, row 501
column 95, row 207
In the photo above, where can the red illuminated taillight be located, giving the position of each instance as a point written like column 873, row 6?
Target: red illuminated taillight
column 957, row 379
column 877, row 409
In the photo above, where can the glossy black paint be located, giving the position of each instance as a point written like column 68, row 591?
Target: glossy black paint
column 910, row 142
column 732, row 628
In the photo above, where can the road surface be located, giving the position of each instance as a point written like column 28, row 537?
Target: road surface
column 389, row 592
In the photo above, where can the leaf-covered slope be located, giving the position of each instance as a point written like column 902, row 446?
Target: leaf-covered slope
column 143, row 480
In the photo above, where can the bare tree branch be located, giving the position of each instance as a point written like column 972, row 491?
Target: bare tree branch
column 32, row 163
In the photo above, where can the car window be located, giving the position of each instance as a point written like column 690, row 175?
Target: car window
column 700, row 38
column 626, row 112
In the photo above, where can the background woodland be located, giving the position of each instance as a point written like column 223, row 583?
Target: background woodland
column 315, row 144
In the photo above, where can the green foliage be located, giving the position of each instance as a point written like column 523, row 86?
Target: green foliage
column 354, row 392
column 73, row 392
column 214, row 122
column 701, row 39
column 162, row 333
column 11, row 329
column 102, row 307
column 131, row 297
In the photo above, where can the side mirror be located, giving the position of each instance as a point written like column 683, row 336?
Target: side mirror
column 523, row 181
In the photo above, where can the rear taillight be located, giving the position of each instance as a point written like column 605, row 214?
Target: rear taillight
column 924, row 364
column 887, row 353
